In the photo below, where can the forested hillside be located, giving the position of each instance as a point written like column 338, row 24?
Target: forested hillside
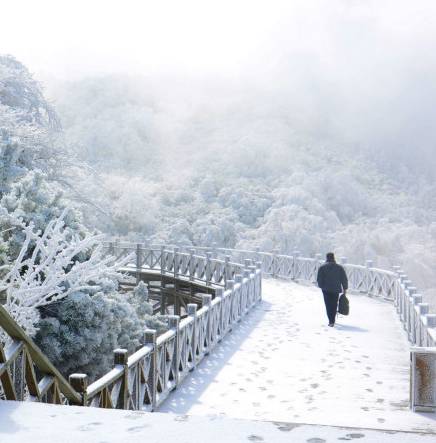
column 243, row 165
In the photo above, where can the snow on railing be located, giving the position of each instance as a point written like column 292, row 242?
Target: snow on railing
column 218, row 265
column 146, row 378
column 25, row 372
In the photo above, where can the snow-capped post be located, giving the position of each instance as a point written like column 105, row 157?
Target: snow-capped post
column 173, row 323
column 241, row 307
column 247, row 263
column 192, row 312
column 138, row 262
column 219, row 293
column 411, row 309
column 120, row 358
column 258, row 283
column 274, row 264
column 208, row 268
column 207, row 301
column 227, row 275
column 176, row 261
column 430, row 322
column 162, row 259
column 230, row 284
column 318, row 257
column 343, row 260
column 150, row 340
column 249, row 297
column 423, row 309
column 407, row 284
column 417, row 298
column 295, row 267
column 191, row 264
column 368, row 265
column 79, row 383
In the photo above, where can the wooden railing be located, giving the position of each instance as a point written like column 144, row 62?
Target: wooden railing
column 146, row 378
column 25, row 372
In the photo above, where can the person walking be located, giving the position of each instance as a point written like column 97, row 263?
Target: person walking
column 332, row 279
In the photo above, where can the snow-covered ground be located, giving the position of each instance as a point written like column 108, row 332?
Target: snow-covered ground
column 283, row 363
column 38, row 423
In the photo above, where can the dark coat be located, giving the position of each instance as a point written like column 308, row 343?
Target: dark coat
column 332, row 278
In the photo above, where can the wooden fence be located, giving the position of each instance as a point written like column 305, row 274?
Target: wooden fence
column 144, row 379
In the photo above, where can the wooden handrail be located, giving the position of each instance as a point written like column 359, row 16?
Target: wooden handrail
column 41, row 361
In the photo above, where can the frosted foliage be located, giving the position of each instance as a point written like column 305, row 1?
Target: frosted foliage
column 279, row 164
column 18, row 90
column 80, row 332
column 28, row 125
column 48, row 268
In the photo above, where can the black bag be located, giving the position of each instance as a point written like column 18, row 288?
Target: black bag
column 343, row 305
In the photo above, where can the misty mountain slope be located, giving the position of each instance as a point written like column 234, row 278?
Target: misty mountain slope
column 241, row 167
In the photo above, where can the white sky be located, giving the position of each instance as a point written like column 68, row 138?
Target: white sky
column 73, row 38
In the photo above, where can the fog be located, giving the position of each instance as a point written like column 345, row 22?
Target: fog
column 303, row 124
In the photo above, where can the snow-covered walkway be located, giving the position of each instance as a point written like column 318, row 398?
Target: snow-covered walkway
column 282, row 363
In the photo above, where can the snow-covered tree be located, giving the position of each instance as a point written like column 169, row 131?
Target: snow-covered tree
column 80, row 333
column 50, row 266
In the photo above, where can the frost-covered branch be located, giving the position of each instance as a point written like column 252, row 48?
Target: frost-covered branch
column 53, row 264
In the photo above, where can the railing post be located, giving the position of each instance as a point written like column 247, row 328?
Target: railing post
column 368, row 266
column 191, row 264
column 176, row 262
column 192, row 312
column 208, row 268
column 241, row 308
column 258, row 283
column 343, row 260
column 79, row 383
column 226, row 269
column 295, row 255
column 150, row 339
column 275, row 264
column 417, row 298
column 138, row 262
column 219, row 293
column 120, row 358
column 247, row 263
column 207, row 301
column 250, row 294
column 230, row 284
column 162, row 259
column 173, row 323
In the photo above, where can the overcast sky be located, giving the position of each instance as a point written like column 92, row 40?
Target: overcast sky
column 223, row 38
